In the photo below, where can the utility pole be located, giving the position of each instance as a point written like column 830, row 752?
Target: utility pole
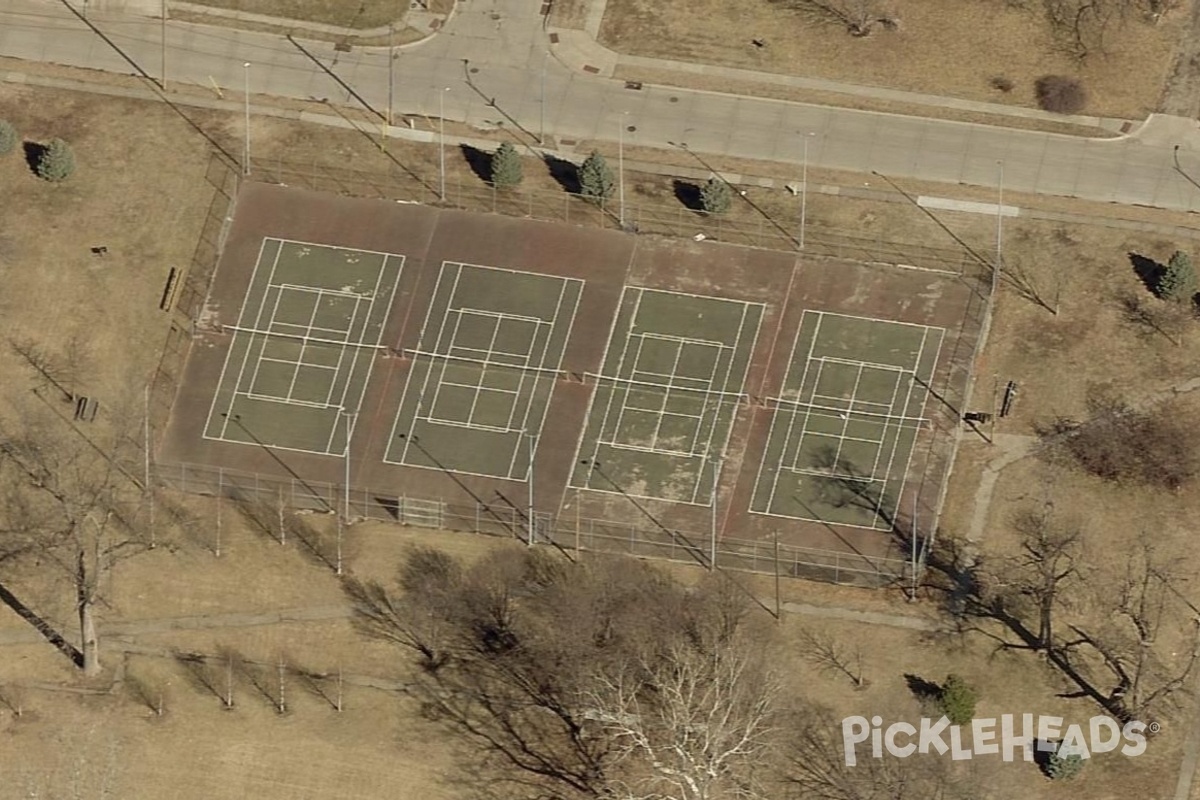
column 246, row 151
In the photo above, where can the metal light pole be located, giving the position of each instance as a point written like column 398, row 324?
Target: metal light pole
column 999, row 231
column 621, row 168
column 532, row 513
column 442, row 139
column 163, row 83
column 391, row 62
column 246, row 152
column 712, row 553
column 346, row 492
column 804, row 192
column 542, row 129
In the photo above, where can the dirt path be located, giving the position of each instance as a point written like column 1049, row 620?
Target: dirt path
column 1181, row 95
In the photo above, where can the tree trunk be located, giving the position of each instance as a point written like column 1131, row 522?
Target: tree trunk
column 90, row 646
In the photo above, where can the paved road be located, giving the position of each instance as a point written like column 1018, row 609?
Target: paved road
column 504, row 43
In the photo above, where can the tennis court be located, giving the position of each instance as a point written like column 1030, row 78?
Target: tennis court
column 489, row 354
column 666, row 395
column 302, row 350
column 844, row 426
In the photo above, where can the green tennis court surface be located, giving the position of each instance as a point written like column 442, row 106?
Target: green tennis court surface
column 666, row 395
column 843, row 428
column 303, row 346
column 489, row 353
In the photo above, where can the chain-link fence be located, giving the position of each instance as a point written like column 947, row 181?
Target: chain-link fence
column 569, row 533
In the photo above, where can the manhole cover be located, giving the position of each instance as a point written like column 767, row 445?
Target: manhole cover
column 672, row 99
column 631, row 128
column 474, row 70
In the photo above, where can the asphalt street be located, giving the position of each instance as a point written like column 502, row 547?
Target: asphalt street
column 495, row 51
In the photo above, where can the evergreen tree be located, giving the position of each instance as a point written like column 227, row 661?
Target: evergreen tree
column 1063, row 766
column 1177, row 281
column 506, row 167
column 716, row 196
column 957, row 700
column 596, row 180
column 56, row 162
column 8, row 137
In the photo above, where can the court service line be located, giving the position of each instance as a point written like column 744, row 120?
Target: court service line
column 262, row 302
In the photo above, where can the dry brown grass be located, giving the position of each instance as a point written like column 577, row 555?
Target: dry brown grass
column 366, row 14
column 943, row 47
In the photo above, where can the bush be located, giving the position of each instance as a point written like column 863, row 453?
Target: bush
column 715, row 196
column 1156, row 447
column 596, row 181
column 8, row 137
column 506, row 167
column 1063, row 767
column 957, row 700
column 1002, row 84
column 56, row 162
column 1060, row 94
column 1177, row 281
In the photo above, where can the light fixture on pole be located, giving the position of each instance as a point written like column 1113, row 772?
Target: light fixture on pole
column 442, row 140
column 246, row 151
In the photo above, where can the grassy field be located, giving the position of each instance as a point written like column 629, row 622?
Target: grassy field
column 188, row 599
column 942, row 47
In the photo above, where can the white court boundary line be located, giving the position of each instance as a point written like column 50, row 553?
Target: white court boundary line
column 358, row 347
column 448, row 308
column 617, row 382
column 887, row 419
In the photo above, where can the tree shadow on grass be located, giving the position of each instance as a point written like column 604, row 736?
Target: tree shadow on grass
column 479, row 161
column 33, row 155
column 42, row 626
column 563, row 171
column 1147, row 269
column 688, row 194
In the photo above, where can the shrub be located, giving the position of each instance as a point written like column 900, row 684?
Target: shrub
column 1177, row 281
column 1063, row 766
column 715, row 196
column 596, row 181
column 56, row 162
column 1061, row 94
column 957, row 700
column 506, row 167
column 8, row 137
column 1155, row 446
column 1002, row 84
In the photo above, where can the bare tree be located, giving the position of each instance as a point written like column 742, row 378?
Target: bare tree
column 513, row 653
column 1049, row 562
column 830, row 655
column 68, row 506
column 1146, row 618
column 692, row 726
column 858, row 17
